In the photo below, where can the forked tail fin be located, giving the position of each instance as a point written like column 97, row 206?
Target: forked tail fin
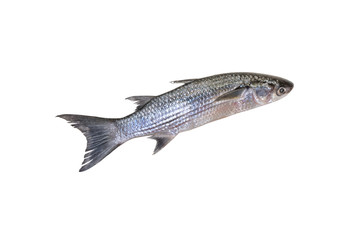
column 102, row 137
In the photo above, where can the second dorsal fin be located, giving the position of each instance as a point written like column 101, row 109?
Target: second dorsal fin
column 140, row 100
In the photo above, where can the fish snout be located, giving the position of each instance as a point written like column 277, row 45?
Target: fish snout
column 284, row 87
column 288, row 85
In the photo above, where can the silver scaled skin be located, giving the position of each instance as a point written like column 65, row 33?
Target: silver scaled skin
column 163, row 117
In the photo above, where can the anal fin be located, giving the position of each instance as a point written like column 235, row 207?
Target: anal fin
column 162, row 139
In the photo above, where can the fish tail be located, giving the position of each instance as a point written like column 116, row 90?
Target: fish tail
column 102, row 135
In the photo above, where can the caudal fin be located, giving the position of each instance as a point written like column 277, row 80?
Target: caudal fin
column 101, row 134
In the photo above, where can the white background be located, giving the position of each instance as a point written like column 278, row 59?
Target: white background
column 288, row 170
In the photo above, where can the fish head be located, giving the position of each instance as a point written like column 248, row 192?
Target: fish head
column 281, row 89
column 269, row 89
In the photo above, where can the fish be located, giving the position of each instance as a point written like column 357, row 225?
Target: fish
column 194, row 103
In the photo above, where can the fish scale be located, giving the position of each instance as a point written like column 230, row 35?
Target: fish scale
column 200, row 100
column 195, row 103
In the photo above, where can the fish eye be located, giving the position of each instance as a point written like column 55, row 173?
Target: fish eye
column 281, row 91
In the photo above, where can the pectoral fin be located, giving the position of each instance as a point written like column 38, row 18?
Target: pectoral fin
column 140, row 100
column 162, row 139
column 232, row 95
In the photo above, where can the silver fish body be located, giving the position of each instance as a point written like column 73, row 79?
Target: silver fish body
column 197, row 102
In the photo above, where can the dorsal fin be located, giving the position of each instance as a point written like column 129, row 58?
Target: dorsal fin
column 233, row 94
column 184, row 81
column 140, row 100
